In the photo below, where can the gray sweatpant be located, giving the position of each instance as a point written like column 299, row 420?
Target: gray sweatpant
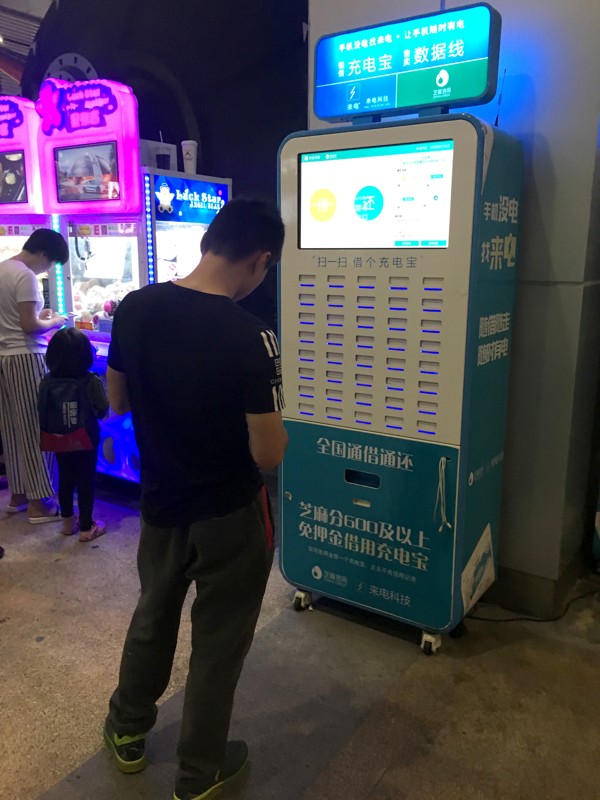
column 229, row 558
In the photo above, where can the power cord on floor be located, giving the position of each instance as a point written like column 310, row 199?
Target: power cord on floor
column 537, row 619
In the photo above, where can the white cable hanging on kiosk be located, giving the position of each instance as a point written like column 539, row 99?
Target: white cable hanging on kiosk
column 397, row 292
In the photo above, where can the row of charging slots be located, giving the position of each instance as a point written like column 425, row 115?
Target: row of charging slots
column 337, row 320
column 366, row 282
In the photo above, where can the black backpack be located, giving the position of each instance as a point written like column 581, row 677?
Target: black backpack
column 67, row 420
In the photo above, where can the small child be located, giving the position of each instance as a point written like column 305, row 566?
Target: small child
column 69, row 358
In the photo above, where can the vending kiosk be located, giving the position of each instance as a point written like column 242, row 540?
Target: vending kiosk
column 126, row 225
column 21, row 205
column 397, row 292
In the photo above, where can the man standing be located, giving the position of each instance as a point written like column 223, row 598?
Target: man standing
column 24, row 324
column 202, row 378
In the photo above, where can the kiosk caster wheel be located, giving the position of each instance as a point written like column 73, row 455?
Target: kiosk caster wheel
column 302, row 601
column 458, row 632
column 430, row 643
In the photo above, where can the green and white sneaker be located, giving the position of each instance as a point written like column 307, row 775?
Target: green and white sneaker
column 236, row 762
column 128, row 751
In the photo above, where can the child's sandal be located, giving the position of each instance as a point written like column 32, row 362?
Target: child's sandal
column 97, row 529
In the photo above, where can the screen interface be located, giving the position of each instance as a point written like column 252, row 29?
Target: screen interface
column 87, row 172
column 392, row 196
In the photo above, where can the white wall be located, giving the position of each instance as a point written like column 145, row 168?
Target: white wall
column 551, row 102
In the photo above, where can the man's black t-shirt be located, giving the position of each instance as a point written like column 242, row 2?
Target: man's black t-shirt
column 195, row 364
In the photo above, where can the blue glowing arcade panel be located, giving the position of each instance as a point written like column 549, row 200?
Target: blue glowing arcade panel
column 182, row 209
column 178, row 208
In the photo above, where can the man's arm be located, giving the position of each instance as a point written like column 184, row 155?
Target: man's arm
column 268, row 439
column 31, row 323
column 118, row 396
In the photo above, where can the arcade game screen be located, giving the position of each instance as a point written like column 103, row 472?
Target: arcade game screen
column 389, row 196
column 103, row 270
column 177, row 249
column 87, row 172
column 13, row 186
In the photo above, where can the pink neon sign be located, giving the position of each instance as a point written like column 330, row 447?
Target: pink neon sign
column 89, row 147
column 20, row 186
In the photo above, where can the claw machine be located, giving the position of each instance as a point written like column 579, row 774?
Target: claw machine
column 127, row 225
column 397, row 292
column 21, row 204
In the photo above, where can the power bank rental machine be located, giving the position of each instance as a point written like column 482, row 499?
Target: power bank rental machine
column 397, row 292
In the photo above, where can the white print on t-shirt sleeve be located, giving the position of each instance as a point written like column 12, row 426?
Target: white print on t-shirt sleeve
column 272, row 347
column 271, row 343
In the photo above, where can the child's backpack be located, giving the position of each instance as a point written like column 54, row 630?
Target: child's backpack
column 67, row 420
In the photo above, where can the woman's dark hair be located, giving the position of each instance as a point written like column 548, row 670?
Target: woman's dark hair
column 50, row 243
column 69, row 354
column 242, row 227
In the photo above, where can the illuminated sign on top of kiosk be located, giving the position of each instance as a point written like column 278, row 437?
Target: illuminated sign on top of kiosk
column 20, row 186
column 89, row 147
column 75, row 107
column 445, row 59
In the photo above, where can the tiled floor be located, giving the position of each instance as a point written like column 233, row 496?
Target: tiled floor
column 332, row 710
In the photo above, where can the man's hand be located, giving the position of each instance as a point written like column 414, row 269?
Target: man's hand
column 46, row 320
column 55, row 319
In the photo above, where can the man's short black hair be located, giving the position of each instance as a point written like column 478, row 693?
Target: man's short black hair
column 69, row 354
column 50, row 243
column 244, row 226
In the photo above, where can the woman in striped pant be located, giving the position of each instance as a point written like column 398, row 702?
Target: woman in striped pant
column 23, row 323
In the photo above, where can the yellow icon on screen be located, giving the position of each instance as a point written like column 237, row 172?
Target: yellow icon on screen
column 322, row 205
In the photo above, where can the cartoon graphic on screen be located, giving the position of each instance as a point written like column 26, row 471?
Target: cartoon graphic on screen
column 13, row 188
column 87, row 173
column 165, row 199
